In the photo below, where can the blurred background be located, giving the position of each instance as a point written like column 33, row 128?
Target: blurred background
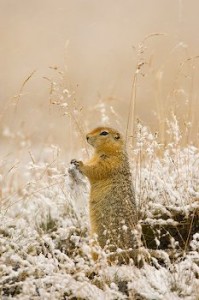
column 70, row 65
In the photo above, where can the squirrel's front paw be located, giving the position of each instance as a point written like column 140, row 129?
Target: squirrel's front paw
column 76, row 163
column 74, row 170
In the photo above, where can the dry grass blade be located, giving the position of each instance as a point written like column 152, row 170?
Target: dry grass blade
column 20, row 93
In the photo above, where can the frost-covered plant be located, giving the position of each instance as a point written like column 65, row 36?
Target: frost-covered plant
column 45, row 248
column 164, row 174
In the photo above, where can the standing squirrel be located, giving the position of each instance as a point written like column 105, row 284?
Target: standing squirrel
column 112, row 206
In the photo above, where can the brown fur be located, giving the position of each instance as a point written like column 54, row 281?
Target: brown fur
column 112, row 200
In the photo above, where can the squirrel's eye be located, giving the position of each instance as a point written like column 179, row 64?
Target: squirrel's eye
column 104, row 133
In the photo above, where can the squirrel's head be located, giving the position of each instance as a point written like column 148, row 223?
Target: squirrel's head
column 105, row 139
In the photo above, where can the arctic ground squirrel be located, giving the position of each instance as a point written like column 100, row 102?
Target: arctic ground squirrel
column 112, row 206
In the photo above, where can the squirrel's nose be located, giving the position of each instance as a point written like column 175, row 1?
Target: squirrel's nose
column 87, row 138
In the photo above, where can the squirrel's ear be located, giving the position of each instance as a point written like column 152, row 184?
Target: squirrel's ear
column 117, row 136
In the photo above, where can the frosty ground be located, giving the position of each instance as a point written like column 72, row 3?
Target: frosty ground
column 45, row 250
